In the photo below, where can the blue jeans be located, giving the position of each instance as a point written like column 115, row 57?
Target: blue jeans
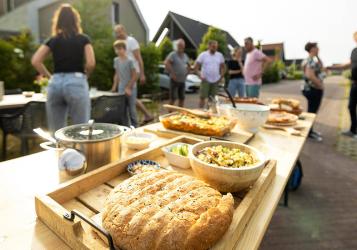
column 236, row 85
column 131, row 105
column 252, row 90
column 67, row 93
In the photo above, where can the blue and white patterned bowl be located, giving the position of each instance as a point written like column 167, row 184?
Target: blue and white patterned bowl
column 131, row 166
column 250, row 116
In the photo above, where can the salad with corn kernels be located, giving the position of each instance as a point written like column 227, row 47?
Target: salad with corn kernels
column 222, row 156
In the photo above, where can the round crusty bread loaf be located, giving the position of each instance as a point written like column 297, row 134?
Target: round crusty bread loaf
column 166, row 210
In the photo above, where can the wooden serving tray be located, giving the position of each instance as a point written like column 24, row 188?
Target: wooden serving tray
column 236, row 134
column 87, row 193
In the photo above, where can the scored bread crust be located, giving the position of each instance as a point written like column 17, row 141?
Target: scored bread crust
column 166, row 210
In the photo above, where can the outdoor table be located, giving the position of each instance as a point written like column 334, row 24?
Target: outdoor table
column 18, row 101
column 22, row 178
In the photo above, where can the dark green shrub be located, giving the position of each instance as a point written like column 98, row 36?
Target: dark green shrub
column 165, row 47
column 98, row 27
column 151, row 57
column 272, row 72
column 15, row 64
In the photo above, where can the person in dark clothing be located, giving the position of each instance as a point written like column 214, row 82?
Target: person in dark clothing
column 235, row 68
column 352, row 104
column 313, row 88
column 74, row 60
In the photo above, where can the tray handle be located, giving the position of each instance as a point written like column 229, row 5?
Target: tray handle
column 70, row 216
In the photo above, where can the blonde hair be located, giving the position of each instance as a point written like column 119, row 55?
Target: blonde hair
column 234, row 51
column 66, row 21
column 119, row 44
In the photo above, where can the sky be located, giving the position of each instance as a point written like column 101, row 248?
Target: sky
column 331, row 23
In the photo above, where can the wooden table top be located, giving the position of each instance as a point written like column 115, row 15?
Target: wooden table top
column 22, row 178
column 17, row 101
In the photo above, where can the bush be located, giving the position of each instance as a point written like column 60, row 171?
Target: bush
column 165, row 47
column 272, row 72
column 293, row 73
column 214, row 34
column 15, row 65
column 347, row 74
column 151, row 57
column 98, row 27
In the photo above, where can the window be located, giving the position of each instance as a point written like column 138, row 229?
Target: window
column 115, row 13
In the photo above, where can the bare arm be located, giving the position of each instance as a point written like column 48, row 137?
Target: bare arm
column 168, row 66
column 139, row 58
column 133, row 79
column 38, row 59
column 196, row 68
column 310, row 74
column 222, row 69
column 266, row 61
column 130, row 86
column 90, row 59
column 115, row 82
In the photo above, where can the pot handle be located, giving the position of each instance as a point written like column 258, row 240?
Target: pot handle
column 90, row 124
column 46, row 145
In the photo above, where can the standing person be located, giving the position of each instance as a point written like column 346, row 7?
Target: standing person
column 133, row 53
column 125, row 78
column 235, row 68
column 254, row 65
column 313, row 88
column 68, row 88
column 352, row 104
column 177, row 65
column 212, row 72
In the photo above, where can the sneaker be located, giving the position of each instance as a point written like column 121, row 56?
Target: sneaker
column 315, row 137
column 348, row 133
column 317, row 132
column 355, row 137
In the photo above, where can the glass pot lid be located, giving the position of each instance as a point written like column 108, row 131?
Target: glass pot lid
column 83, row 133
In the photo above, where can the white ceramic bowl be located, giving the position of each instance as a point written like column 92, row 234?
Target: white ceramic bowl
column 249, row 116
column 175, row 159
column 226, row 179
column 138, row 140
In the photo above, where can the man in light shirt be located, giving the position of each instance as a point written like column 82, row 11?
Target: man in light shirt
column 133, row 53
column 211, row 63
column 254, row 65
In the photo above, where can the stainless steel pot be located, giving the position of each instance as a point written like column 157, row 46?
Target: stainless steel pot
column 100, row 143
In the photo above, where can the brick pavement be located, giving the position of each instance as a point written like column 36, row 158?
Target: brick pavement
column 322, row 214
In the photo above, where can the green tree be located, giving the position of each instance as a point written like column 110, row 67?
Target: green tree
column 151, row 57
column 214, row 34
column 165, row 47
column 97, row 26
